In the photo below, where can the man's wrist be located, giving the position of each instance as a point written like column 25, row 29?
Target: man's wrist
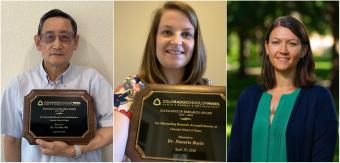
column 77, row 151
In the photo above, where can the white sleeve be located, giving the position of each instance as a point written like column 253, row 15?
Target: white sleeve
column 11, row 115
column 101, row 91
column 120, row 135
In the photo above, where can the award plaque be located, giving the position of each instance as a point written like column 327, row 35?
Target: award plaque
column 178, row 123
column 59, row 115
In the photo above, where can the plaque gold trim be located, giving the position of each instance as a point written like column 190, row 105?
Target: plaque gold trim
column 133, row 150
column 90, row 116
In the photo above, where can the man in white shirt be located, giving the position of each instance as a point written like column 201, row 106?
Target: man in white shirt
column 56, row 39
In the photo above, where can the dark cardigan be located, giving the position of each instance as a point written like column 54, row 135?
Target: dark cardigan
column 311, row 132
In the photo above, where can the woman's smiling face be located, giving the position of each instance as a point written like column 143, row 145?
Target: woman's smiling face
column 284, row 49
column 175, row 40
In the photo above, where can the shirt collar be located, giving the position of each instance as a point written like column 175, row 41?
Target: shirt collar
column 62, row 78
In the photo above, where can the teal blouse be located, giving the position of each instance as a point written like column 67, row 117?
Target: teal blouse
column 269, row 140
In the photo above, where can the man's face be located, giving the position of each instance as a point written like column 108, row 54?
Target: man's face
column 57, row 42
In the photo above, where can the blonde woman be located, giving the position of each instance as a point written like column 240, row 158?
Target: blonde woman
column 174, row 54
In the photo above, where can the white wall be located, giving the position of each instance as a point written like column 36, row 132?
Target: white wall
column 19, row 24
column 132, row 21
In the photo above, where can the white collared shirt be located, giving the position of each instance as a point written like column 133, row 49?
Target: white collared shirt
column 75, row 77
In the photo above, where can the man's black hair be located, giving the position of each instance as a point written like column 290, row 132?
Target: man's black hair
column 57, row 13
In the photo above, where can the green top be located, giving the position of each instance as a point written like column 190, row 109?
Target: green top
column 269, row 140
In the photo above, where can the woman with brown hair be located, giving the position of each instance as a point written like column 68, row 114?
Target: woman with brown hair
column 286, row 117
column 174, row 54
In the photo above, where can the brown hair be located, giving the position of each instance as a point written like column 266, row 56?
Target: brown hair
column 150, row 71
column 305, row 69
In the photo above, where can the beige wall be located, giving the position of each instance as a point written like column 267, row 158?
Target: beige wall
column 131, row 24
column 19, row 21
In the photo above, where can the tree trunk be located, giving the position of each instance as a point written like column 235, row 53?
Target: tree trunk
column 335, row 55
column 241, row 71
column 334, row 88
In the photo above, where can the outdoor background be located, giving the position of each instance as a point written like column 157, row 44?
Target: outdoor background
column 247, row 23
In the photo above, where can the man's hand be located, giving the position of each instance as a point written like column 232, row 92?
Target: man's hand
column 56, row 148
column 102, row 138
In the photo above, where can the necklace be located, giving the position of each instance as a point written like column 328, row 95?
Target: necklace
column 272, row 111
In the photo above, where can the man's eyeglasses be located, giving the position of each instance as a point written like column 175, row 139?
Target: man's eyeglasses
column 63, row 37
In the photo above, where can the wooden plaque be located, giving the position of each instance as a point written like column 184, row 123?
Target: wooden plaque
column 178, row 123
column 59, row 115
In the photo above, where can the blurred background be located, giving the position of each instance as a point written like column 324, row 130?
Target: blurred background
column 247, row 22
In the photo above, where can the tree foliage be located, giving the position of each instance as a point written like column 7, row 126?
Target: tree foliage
column 250, row 19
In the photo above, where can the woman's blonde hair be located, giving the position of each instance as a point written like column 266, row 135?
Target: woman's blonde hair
column 150, row 70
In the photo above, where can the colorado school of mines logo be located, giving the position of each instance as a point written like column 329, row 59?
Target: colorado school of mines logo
column 40, row 103
column 157, row 102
